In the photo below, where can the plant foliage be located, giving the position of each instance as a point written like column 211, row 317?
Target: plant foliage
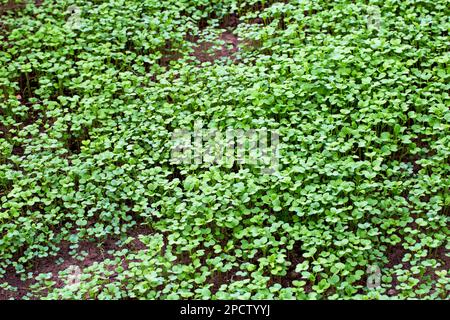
column 361, row 101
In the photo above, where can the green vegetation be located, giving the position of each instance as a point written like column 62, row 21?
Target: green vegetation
column 90, row 92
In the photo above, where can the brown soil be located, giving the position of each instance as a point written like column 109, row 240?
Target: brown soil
column 230, row 47
column 220, row 278
column 11, row 5
column 96, row 252
column 395, row 255
column 230, row 21
column 442, row 255
column 256, row 21
column 16, row 5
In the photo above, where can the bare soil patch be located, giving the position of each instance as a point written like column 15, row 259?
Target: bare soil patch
column 96, row 252
column 202, row 50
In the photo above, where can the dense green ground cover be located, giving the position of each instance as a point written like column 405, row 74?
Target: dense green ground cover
column 358, row 91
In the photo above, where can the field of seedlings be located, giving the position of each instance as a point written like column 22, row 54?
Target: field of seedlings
column 118, row 180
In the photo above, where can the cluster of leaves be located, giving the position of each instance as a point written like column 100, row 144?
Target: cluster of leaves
column 362, row 107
